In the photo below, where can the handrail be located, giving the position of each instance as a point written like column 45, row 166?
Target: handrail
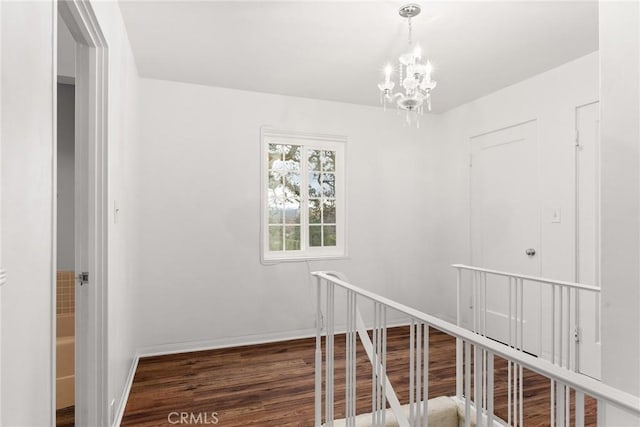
column 587, row 385
column 529, row 278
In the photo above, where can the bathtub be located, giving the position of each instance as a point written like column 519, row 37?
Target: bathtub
column 65, row 360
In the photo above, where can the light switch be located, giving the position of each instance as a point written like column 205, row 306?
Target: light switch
column 556, row 215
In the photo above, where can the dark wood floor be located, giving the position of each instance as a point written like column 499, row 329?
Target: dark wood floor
column 273, row 384
column 65, row 417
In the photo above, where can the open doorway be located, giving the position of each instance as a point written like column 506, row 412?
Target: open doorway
column 81, row 242
column 65, row 231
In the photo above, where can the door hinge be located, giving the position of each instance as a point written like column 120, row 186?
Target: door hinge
column 83, row 278
column 577, row 334
column 576, row 138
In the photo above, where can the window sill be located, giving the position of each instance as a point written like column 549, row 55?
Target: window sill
column 271, row 261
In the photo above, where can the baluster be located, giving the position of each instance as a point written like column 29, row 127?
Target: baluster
column 350, row 360
column 567, row 396
column 520, row 369
column 561, row 326
column 329, row 355
column 553, row 353
column 477, row 384
column 318, row 395
column 374, row 369
column 484, row 304
column 484, row 333
column 348, row 363
column 553, row 324
column 511, row 343
column 521, row 397
column 411, row 373
column 521, row 314
column 490, row 391
column 516, row 321
column 354, row 338
column 418, row 370
column 467, row 384
column 425, row 383
column 510, row 284
column 474, row 302
column 560, row 418
column 383, row 379
column 459, row 372
column 579, row 408
column 509, row 392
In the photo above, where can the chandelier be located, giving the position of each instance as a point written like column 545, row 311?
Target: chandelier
column 414, row 77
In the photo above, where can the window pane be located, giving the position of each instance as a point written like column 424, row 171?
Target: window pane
column 292, row 215
column 292, row 154
column 315, row 187
column 275, row 153
column 315, row 235
column 329, row 185
column 292, row 185
column 275, row 180
column 329, row 235
column 328, row 161
column 292, row 238
column 314, row 160
column 275, row 238
column 314, row 211
column 275, row 213
column 329, row 211
column 289, row 163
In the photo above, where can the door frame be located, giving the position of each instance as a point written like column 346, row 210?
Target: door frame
column 576, row 318
column 91, row 389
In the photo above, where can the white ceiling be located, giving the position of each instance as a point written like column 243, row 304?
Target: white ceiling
column 336, row 50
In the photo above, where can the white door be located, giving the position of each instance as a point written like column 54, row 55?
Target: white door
column 84, row 349
column 505, row 223
column 588, row 236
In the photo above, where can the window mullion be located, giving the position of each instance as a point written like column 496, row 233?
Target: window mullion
column 304, row 201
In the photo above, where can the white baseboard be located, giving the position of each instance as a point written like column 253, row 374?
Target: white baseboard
column 226, row 342
column 117, row 419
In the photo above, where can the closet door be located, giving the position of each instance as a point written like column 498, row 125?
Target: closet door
column 505, row 223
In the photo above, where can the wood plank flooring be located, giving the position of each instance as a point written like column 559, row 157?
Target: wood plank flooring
column 65, row 417
column 273, row 384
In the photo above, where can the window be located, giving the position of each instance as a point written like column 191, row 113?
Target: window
column 303, row 208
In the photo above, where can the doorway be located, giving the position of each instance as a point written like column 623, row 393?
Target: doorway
column 90, row 406
column 505, row 223
column 65, row 229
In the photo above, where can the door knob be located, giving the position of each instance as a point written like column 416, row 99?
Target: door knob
column 530, row 252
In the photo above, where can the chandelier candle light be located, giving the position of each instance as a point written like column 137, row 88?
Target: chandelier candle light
column 414, row 76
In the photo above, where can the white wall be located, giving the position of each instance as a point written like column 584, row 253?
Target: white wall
column 27, row 202
column 550, row 98
column 198, row 275
column 123, row 136
column 620, row 175
column 65, row 173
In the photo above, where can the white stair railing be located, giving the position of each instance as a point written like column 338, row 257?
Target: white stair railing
column 382, row 389
column 478, row 374
column 562, row 312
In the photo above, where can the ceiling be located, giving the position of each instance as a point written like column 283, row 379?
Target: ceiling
column 336, row 50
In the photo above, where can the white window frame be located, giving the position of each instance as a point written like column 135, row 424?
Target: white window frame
column 308, row 141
